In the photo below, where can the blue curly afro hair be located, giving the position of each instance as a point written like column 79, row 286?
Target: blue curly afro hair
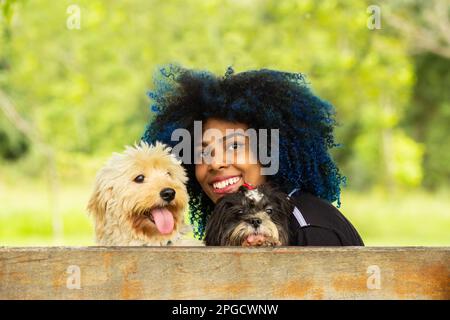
column 262, row 99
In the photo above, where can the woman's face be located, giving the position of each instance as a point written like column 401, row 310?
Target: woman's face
column 231, row 161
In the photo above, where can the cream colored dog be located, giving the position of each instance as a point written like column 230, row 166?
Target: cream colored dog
column 140, row 198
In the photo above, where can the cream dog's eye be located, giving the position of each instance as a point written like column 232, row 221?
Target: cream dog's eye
column 139, row 179
column 168, row 173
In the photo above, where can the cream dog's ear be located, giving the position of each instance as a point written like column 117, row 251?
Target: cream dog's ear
column 98, row 202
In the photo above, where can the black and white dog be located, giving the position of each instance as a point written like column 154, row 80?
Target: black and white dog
column 250, row 217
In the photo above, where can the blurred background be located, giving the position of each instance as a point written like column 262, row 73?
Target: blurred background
column 74, row 76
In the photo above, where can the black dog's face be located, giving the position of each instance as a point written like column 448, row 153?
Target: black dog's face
column 256, row 217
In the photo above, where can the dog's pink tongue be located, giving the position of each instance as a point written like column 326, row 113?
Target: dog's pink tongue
column 255, row 239
column 163, row 220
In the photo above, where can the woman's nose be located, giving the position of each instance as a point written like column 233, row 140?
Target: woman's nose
column 218, row 162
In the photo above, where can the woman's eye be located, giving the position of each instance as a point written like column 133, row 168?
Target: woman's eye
column 235, row 145
column 269, row 210
column 202, row 153
column 139, row 179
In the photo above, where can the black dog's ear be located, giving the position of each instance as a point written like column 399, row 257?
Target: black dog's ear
column 278, row 196
column 269, row 187
column 216, row 223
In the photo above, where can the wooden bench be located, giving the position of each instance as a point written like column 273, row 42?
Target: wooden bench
column 224, row 273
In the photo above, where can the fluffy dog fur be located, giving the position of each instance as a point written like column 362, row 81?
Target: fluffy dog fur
column 257, row 217
column 128, row 190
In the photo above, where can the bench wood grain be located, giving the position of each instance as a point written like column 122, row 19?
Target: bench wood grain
column 225, row 273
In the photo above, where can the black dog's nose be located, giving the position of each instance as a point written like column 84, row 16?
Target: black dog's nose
column 167, row 194
column 255, row 222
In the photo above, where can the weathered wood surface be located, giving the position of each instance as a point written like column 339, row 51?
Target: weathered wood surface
column 225, row 273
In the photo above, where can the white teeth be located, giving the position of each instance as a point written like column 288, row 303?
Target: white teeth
column 224, row 183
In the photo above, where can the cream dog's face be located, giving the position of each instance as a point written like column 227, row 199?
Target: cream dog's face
column 143, row 187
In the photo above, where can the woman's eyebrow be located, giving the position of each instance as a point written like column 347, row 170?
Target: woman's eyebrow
column 205, row 143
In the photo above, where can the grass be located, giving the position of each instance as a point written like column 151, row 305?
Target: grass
column 401, row 219
column 26, row 219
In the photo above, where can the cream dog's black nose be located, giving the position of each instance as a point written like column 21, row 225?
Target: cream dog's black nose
column 167, row 194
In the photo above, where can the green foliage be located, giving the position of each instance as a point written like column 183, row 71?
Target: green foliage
column 84, row 90
column 12, row 145
column 428, row 117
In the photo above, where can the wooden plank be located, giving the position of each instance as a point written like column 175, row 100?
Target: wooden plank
column 225, row 273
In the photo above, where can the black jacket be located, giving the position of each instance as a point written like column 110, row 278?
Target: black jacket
column 320, row 224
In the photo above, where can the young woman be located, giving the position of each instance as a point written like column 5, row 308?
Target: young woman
column 261, row 99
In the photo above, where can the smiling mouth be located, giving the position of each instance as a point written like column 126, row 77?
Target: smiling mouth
column 226, row 186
